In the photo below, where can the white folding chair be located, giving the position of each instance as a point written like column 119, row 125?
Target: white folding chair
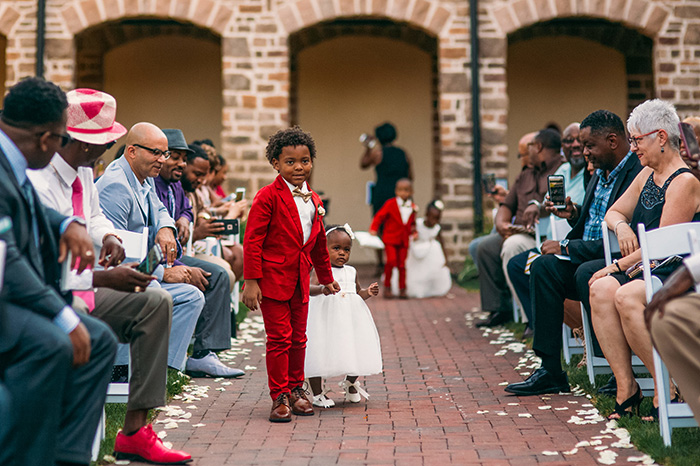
column 599, row 365
column 135, row 248
column 659, row 244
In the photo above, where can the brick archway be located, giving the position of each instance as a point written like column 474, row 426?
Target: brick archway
column 81, row 15
column 646, row 16
column 424, row 14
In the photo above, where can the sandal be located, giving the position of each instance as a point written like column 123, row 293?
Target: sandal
column 632, row 402
column 654, row 414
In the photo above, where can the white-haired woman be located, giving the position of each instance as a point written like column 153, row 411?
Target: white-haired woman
column 663, row 193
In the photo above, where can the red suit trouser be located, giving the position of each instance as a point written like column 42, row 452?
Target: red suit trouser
column 285, row 326
column 395, row 257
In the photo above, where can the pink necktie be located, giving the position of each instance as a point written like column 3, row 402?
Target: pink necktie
column 77, row 199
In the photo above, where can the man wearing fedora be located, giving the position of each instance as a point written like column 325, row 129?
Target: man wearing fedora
column 138, row 314
column 213, row 332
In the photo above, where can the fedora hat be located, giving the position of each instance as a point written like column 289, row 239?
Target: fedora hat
column 176, row 140
column 91, row 116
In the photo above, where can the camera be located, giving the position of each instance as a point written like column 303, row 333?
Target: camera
column 368, row 141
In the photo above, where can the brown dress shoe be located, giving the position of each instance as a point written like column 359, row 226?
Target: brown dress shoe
column 281, row 412
column 301, row 406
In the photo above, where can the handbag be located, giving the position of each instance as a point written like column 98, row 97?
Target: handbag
column 658, row 266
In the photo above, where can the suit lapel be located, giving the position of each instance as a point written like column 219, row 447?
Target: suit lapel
column 34, row 253
column 291, row 206
column 135, row 188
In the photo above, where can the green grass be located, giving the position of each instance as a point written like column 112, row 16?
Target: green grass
column 685, row 448
column 115, row 412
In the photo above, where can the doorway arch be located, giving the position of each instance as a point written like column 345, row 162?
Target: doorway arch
column 160, row 70
column 562, row 70
column 350, row 75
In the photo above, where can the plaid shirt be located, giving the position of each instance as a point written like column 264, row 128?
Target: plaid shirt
column 599, row 205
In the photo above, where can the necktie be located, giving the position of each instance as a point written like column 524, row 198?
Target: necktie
column 77, row 199
column 29, row 195
column 296, row 192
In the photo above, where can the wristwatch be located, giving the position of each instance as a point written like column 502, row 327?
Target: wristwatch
column 564, row 245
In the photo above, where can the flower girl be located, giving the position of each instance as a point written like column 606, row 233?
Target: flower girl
column 342, row 337
column 426, row 272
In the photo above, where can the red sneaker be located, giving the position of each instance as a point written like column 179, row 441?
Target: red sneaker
column 145, row 445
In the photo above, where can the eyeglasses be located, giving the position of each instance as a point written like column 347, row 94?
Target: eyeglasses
column 634, row 140
column 65, row 138
column 570, row 140
column 157, row 152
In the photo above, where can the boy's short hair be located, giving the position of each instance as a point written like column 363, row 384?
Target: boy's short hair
column 33, row 102
column 294, row 136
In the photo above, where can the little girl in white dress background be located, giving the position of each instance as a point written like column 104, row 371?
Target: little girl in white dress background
column 342, row 339
column 426, row 270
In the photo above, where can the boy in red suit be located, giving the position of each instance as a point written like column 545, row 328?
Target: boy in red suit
column 284, row 236
column 398, row 215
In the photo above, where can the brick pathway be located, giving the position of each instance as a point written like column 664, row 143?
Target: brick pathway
column 440, row 401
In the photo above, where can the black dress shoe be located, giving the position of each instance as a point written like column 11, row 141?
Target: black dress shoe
column 496, row 318
column 609, row 388
column 540, row 382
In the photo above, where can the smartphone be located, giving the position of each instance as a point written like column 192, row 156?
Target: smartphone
column 231, row 227
column 240, row 194
column 150, row 263
column 502, row 182
column 489, row 183
column 689, row 140
column 557, row 193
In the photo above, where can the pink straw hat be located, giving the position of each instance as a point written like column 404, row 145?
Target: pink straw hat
column 91, row 116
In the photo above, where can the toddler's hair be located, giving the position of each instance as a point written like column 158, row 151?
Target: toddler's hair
column 436, row 204
column 294, row 136
column 338, row 228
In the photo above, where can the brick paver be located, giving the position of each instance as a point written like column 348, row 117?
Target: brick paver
column 440, row 401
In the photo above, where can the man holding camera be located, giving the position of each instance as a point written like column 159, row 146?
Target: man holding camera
column 514, row 237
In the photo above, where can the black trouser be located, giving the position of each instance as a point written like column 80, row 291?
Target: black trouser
column 521, row 282
column 551, row 282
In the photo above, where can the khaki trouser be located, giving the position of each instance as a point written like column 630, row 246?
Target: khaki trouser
column 143, row 320
column 677, row 339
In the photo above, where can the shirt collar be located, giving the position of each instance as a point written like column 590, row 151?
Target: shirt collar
column 613, row 174
column 15, row 157
column 402, row 203
column 304, row 187
column 67, row 173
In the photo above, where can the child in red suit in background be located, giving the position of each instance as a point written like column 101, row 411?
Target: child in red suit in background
column 398, row 215
column 284, row 236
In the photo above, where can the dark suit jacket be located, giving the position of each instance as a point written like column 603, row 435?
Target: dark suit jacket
column 32, row 275
column 274, row 252
column 582, row 251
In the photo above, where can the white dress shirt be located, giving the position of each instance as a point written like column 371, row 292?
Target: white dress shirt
column 405, row 208
column 54, row 184
column 306, row 210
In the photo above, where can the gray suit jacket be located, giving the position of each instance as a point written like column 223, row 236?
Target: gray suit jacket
column 128, row 204
column 32, row 274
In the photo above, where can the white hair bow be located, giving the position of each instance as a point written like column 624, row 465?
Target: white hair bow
column 346, row 228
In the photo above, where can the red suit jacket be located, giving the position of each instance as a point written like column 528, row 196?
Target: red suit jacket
column 273, row 252
column 395, row 232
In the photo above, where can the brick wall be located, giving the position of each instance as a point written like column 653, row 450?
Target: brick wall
column 256, row 80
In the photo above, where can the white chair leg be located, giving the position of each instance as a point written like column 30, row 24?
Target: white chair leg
column 99, row 436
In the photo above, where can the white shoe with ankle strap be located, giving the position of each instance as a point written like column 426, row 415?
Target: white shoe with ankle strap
column 353, row 397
